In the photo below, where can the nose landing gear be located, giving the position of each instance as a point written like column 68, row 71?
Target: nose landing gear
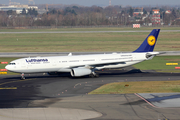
column 22, row 76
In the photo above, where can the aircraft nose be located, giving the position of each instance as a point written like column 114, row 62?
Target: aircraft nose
column 7, row 67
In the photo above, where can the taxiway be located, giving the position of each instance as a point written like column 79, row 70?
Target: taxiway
column 39, row 95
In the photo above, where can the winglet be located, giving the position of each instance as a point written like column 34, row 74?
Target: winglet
column 149, row 42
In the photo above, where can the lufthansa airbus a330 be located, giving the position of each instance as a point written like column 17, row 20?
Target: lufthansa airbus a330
column 82, row 65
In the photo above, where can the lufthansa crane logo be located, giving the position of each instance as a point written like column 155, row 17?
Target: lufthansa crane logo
column 151, row 40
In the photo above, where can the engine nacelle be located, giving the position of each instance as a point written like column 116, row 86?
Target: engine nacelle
column 78, row 72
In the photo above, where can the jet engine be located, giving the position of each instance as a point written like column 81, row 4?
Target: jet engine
column 78, row 72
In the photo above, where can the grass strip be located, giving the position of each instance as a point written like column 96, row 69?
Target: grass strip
column 158, row 63
column 85, row 42
column 2, row 66
column 139, row 87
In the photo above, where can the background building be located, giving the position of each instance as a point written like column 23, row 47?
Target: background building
column 156, row 17
column 17, row 8
column 138, row 11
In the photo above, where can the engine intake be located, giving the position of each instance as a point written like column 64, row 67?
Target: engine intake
column 78, row 72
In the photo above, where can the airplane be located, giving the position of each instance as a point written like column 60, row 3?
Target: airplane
column 82, row 65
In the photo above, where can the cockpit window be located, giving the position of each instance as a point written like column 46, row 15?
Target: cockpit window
column 12, row 63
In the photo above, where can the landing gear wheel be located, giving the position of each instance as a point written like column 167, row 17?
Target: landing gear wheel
column 96, row 75
column 93, row 75
column 23, row 78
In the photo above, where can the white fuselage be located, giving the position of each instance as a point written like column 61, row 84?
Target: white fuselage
column 66, row 63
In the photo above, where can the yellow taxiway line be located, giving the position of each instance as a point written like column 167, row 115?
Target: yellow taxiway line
column 8, row 88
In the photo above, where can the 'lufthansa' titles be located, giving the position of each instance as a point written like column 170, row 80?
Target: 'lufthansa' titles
column 36, row 60
column 151, row 40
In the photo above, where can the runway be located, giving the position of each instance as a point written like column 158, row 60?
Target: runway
column 68, row 97
column 60, row 32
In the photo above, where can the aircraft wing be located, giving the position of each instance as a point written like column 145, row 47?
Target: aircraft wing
column 95, row 65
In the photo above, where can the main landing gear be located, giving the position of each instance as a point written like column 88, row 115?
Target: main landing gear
column 93, row 74
column 22, row 76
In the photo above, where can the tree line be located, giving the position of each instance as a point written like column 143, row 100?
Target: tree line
column 84, row 16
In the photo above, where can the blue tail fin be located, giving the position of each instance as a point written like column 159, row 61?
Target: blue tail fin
column 149, row 42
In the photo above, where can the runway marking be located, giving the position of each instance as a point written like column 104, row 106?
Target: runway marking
column 151, row 103
column 14, row 81
column 8, row 88
column 103, row 81
column 78, row 84
column 146, row 101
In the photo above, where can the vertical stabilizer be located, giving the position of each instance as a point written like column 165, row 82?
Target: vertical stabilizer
column 149, row 42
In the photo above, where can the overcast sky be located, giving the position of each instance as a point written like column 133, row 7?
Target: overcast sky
column 99, row 2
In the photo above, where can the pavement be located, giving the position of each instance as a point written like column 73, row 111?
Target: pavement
column 43, row 97
column 162, row 100
column 46, row 114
